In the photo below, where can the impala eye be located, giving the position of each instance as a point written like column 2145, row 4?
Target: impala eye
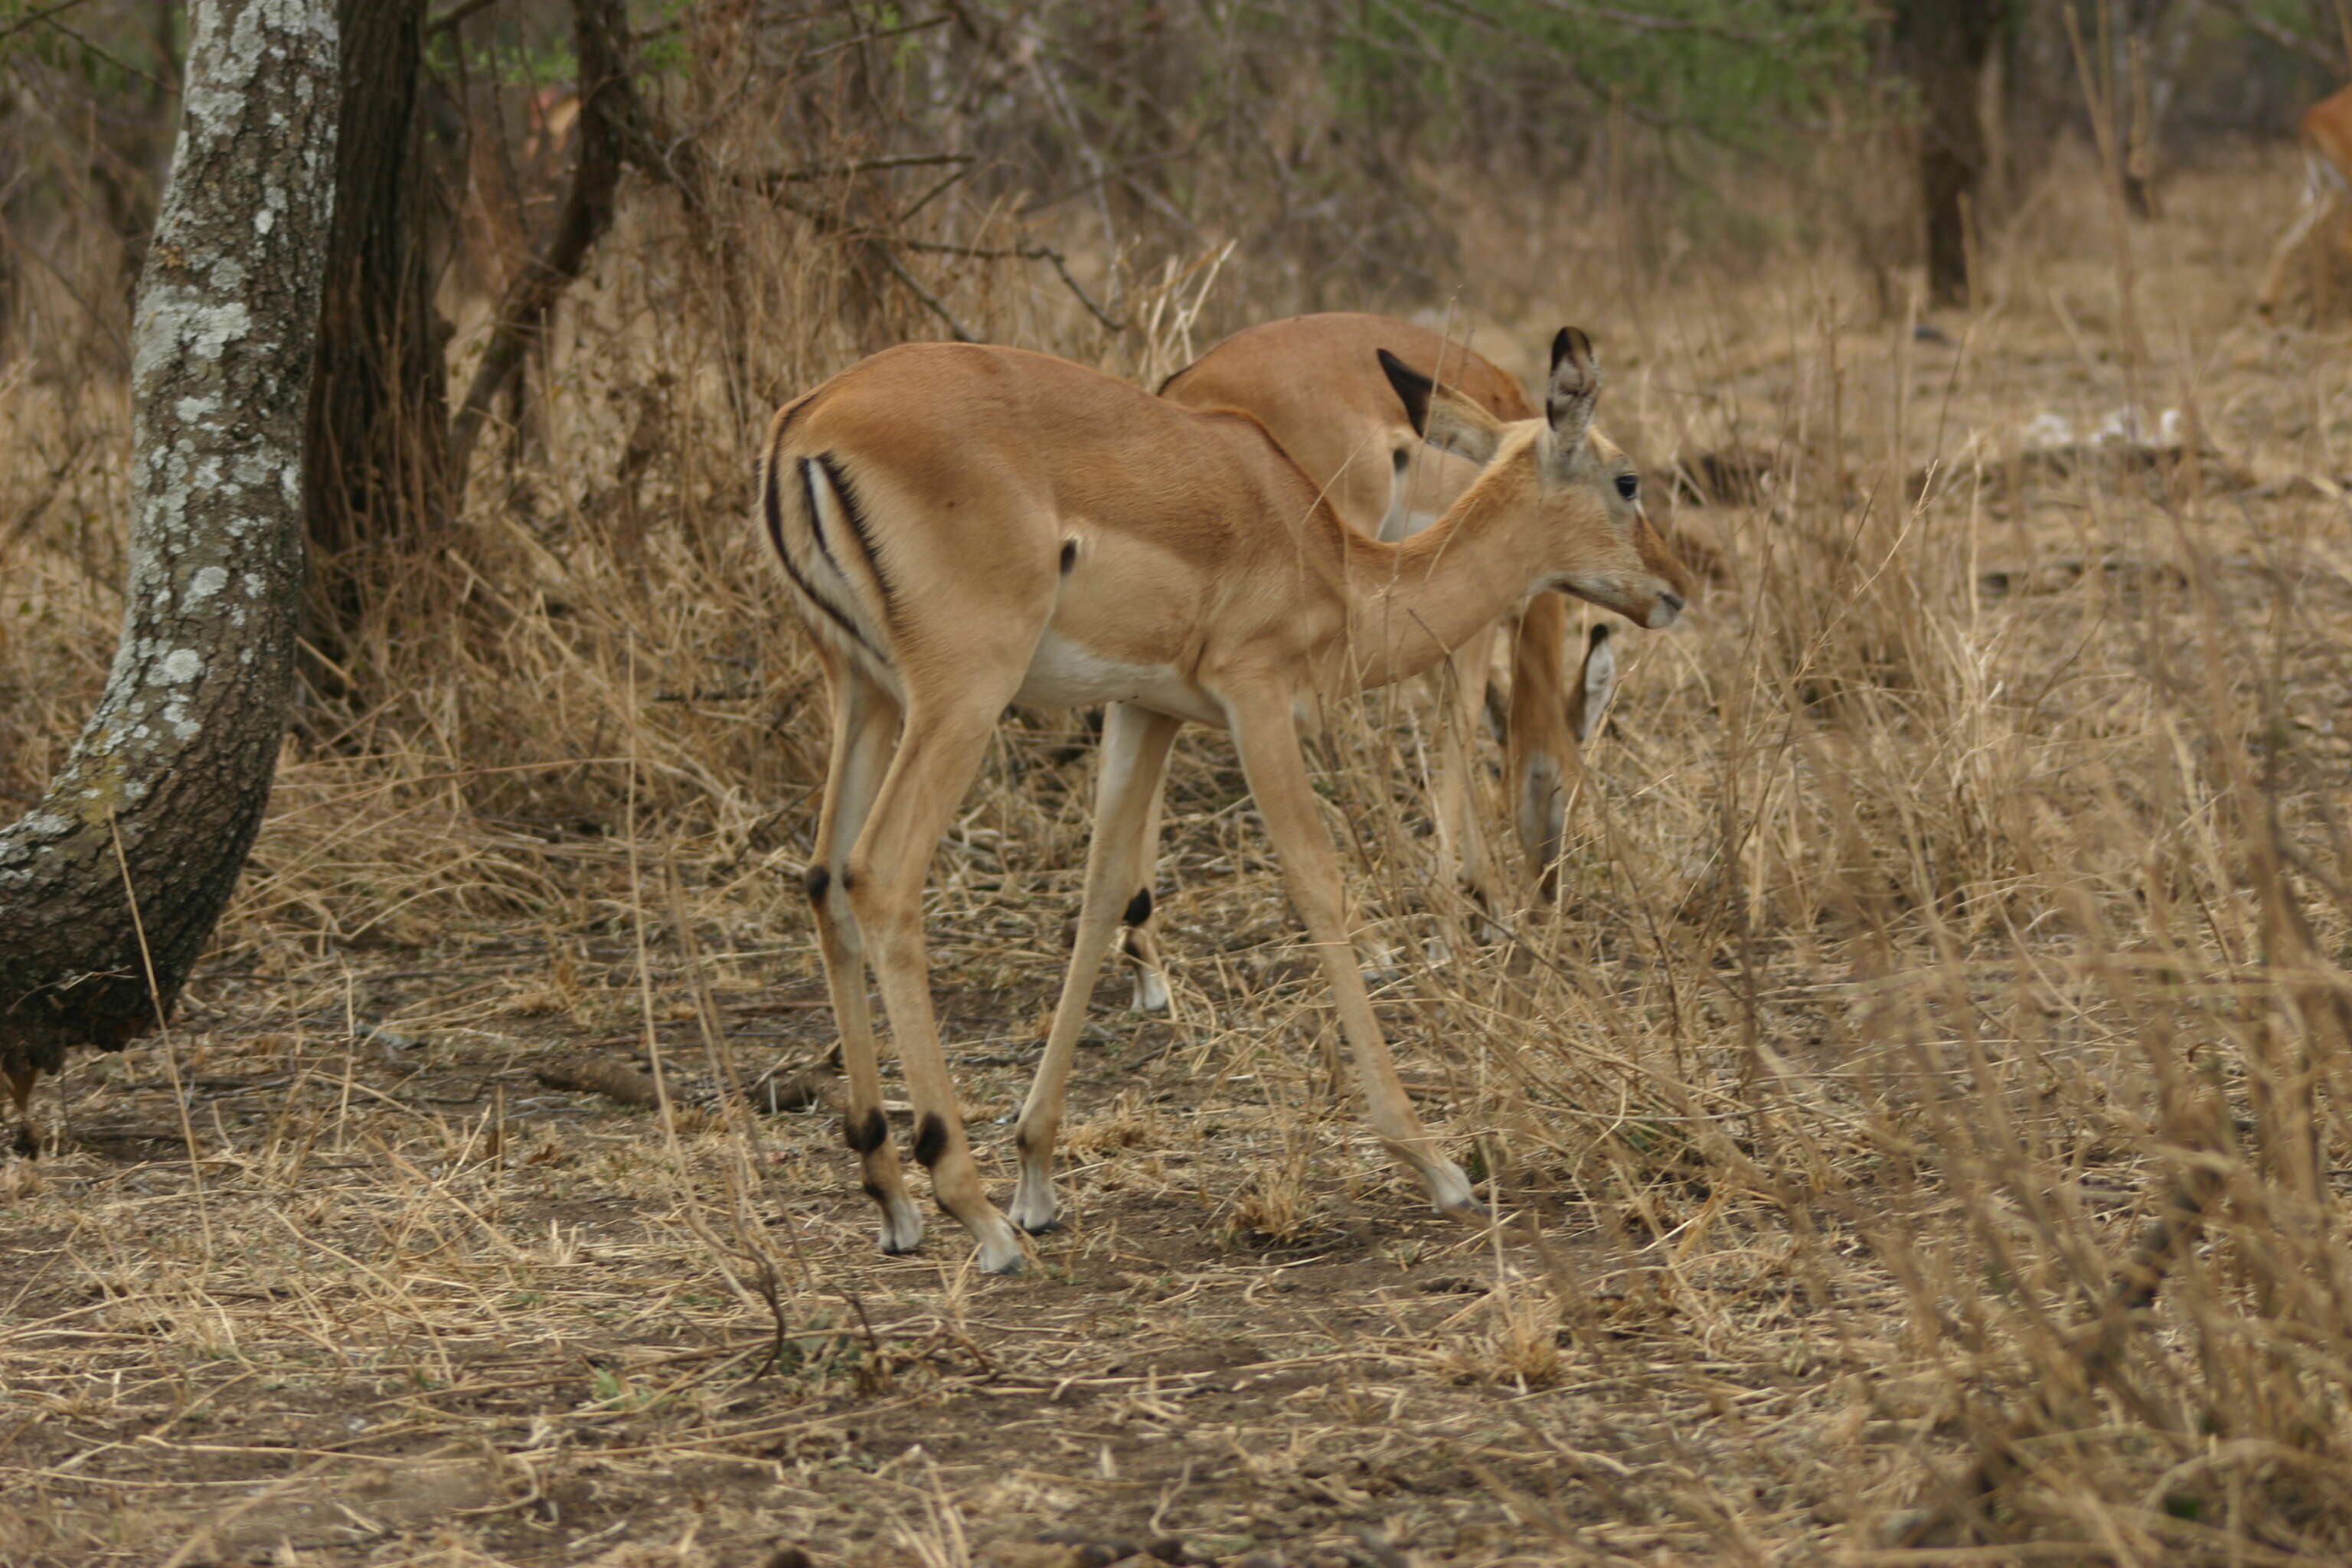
column 1629, row 485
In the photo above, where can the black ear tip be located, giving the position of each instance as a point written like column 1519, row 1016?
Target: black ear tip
column 1600, row 633
column 1571, row 343
column 1412, row 389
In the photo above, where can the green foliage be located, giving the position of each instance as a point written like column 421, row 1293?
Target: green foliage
column 1742, row 72
column 107, row 65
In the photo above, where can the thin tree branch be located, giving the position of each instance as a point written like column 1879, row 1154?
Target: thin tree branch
column 1018, row 253
column 2286, row 38
column 607, row 104
column 455, row 15
column 34, row 18
column 956, row 329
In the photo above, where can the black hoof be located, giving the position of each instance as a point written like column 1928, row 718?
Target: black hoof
column 1047, row 1228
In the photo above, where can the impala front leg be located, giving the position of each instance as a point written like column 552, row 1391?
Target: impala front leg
column 1267, row 738
column 1134, row 760
column 1540, row 759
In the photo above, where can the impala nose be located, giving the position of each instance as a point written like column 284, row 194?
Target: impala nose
column 1662, row 611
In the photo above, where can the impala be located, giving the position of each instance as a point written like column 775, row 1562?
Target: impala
column 2327, row 182
column 1315, row 383
column 964, row 527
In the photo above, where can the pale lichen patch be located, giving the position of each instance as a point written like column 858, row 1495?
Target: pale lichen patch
column 181, row 665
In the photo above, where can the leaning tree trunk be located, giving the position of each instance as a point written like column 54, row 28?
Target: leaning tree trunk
column 374, row 473
column 165, row 788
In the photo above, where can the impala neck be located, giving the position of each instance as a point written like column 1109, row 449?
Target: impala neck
column 1417, row 602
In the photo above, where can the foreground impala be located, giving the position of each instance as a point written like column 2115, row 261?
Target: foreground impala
column 964, row 527
column 1315, row 383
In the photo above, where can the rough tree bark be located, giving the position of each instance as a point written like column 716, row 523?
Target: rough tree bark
column 168, row 781
column 1943, row 45
column 374, row 472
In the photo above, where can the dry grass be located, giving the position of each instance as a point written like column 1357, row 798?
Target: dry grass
column 1963, row 893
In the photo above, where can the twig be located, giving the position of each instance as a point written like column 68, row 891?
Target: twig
column 889, row 258
column 2284, row 36
column 1025, row 253
column 2096, row 1345
column 455, row 15
column 164, row 1032
column 32, row 18
column 867, row 165
column 91, row 46
column 607, row 105
column 599, row 1075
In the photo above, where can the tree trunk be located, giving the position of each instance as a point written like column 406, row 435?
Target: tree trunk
column 168, row 781
column 1943, row 45
column 373, row 472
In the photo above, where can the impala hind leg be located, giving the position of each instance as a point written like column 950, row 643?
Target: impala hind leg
column 1143, row 951
column 1267, row 738
column 1142, row 946
column 865, row 728
column 1134, row 762
column 939, row 751
column 20, row 1090
column 1462, row 856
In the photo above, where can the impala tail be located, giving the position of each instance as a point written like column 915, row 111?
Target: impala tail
column 822, row 535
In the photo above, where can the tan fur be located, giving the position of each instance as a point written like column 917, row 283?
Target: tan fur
column 20, row 1090
column 1315, row 383
column 962, row 523
column 2311, row 264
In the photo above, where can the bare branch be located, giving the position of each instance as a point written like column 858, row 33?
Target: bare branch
column 1023, row 253
column 606, row 109
column 455, row 13
column 956, row 329
column 2286, row 38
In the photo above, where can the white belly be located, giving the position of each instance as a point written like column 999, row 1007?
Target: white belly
column 1064, row 674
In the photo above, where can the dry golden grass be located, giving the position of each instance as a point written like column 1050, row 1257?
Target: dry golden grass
column 1963, row 893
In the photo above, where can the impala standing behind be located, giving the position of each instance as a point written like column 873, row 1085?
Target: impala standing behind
column 2326, row 192
column 965, row 526
column 1315, row 383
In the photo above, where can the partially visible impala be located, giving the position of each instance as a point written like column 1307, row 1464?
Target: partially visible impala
column 1315, row 383
column 2326, row 190
column 964, row 527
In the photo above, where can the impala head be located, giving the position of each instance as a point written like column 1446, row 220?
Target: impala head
column 1600, row 546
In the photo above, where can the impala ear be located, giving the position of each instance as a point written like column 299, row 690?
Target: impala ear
column 1441, row 415
column 1574, row 390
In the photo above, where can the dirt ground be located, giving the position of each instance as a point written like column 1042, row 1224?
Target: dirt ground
column 410, row 1306
column 333, row 1276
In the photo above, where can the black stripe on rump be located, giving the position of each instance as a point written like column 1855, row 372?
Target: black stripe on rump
column 857, row 525
column 773, row 498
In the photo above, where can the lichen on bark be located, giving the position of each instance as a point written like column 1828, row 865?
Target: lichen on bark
column 171, row 773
